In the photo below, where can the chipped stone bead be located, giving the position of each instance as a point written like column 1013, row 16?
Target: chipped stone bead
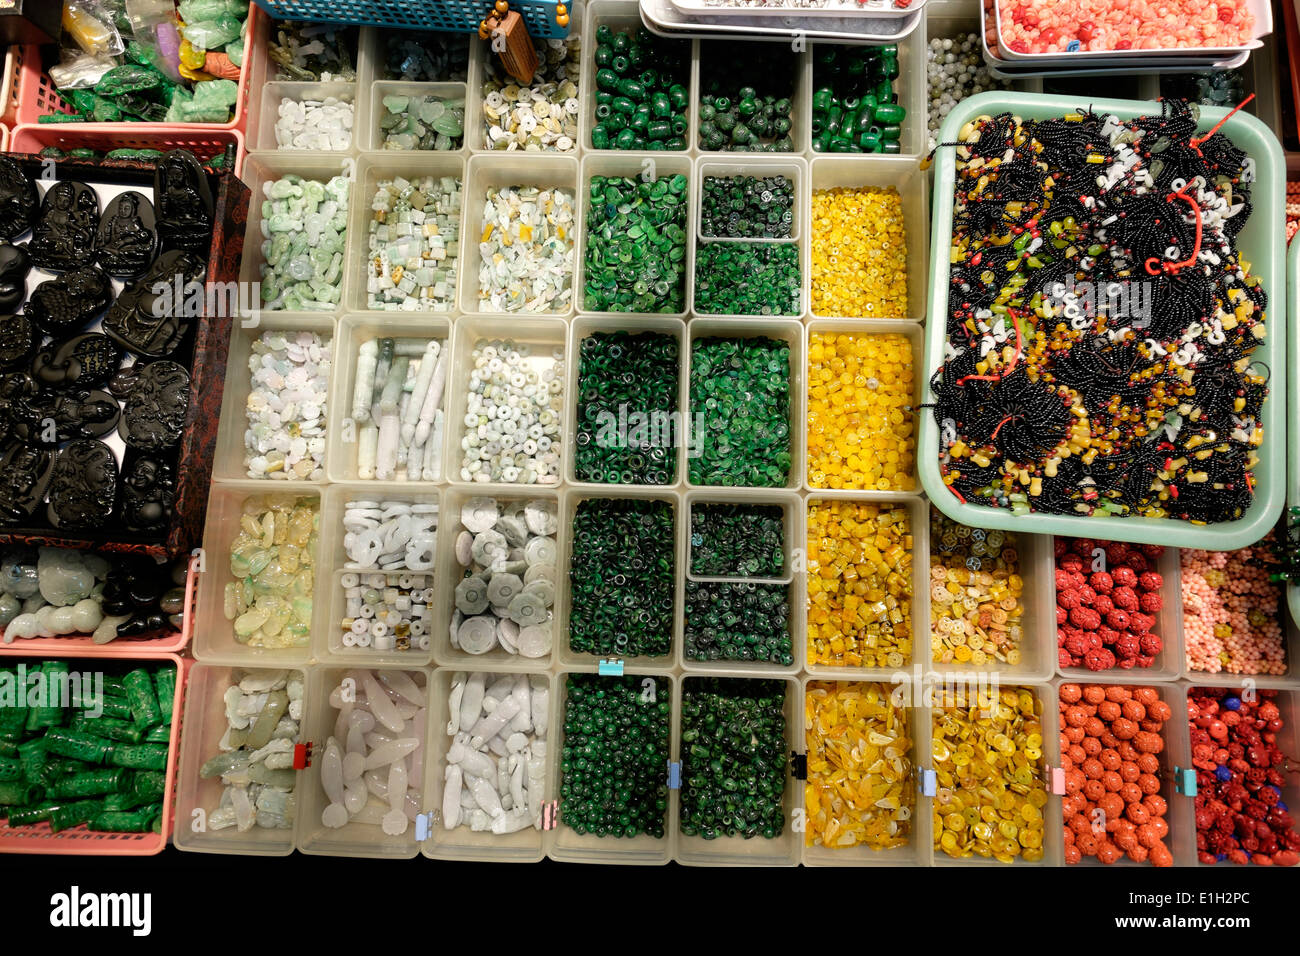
column 286, row 406
column 414, row 244
column 324, row 124
column 526, row 250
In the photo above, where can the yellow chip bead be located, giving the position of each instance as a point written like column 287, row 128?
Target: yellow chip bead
column 859, row 253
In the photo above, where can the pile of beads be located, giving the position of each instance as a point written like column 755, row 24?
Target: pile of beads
column 746, row 94
column 422, row 122
column 855, row 108
column 642, row 83
column 746, row 207
column 387, row 611
column 621, row 577
column 627, row 404
column 324, row 124
column 740, row 389
column 1106, row 604
column 1110, row 742
column 414, row 244
column 397, row 408
column 976, row 594
column 303, row 226
column 1029, row 27
column 859, row 253
column 289, row 376
column 636, row 244
column 1231, row 611
column 314, row 51
column 1240, row 772
column 1101, row 321
column 372, row 767
column 513, row 412
column 861, row 423
column 526, row 250
column 859, row 584
column 955, row 70
column 737, row 540
column 613, row 769
column 747, row 278
column 540, row 116
column 495, row 777
column 733, row 758
column 988, row 761
column 738, row 621
column 82, row 751
column 263, row 716
column 1220, row 88
column 272, row 561
column 860, row 789
column 507, row 552
column 425, row 57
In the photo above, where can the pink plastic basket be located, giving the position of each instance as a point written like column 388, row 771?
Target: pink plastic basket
column 32, row 94
column 203, row 143
column 80, row 841
column 83, row 646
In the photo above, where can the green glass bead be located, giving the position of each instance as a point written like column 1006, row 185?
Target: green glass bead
column 607, row 79
column 737, row 540
column 890, row 113
column 604, row 53
column 891, row 132
column 632, row 89
column 892, row 146
column 870, row 142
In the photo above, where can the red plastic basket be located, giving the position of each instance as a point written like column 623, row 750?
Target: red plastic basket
column 203, row 143
column 83, row 646
column 32, row 93
column 81, row 841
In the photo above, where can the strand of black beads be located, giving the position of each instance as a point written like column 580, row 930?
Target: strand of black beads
column 642, row 90
column 738, row 621
column 733, row 757
column 613, row 766
column 621, row 577
column 627, row 402
column 740, row 540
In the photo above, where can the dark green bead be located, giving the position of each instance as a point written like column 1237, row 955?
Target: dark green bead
column 890, row 113
column 735, row 621
column 607, row 80
column 891, row 132
column 679, row 96
column 604, row 53
column 632, row 89
column 892, row 146
column 740, row 389
column 745, row 278
column 653, row 211
column 869, row 142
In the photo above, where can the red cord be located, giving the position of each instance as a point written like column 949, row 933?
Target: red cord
column 960, row 496
column 1000, row 424
column 1174, row 267
column 1020, row 339
column 1196, row 141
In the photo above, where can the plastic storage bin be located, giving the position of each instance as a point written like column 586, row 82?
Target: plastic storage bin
column 459, row 15
column 782, row 850
column 35, row 137
column 80, row 840
column 32, row 94
column 565, row 845
column 205, row 725
column 353, row 839
column 214, row 639
column 916, row 851
column 168, row 640
column 1169, row 662
column 1261, row 242
column 462, row 843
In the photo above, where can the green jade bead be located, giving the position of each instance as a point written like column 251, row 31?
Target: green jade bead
column 737, row 540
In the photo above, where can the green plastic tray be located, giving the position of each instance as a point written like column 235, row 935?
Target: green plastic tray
column 1293, row 404
column 1263, row 241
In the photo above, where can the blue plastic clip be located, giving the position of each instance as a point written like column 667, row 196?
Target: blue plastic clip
column 674, row 775
column 1072, row 46
column 423, row 826
column 1185, row 781
column 613, row 667
column 929, row 783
